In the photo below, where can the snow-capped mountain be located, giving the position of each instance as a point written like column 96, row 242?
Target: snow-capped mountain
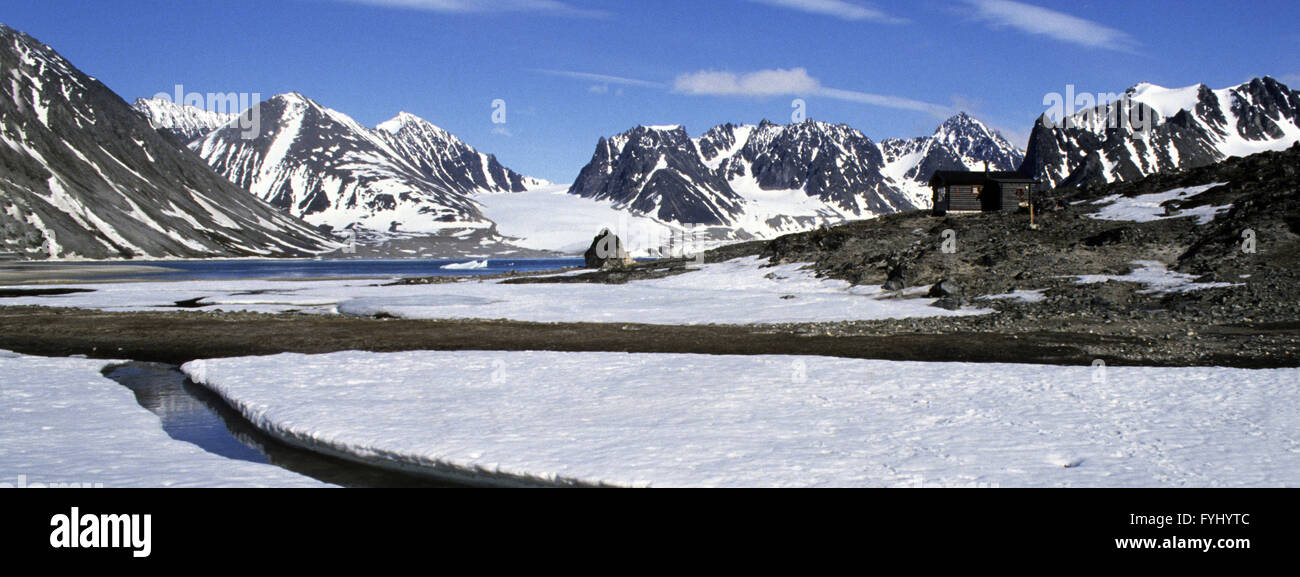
column 658, row 171
column 85, row 176
column 770, row 179
column 833, row 163
column 1184, row 128
column 185, row 123
column 960, row 143
column 318, row 164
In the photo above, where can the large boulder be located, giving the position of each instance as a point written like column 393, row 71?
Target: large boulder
column 945, row 288
column 607, row 251
column 896, row 274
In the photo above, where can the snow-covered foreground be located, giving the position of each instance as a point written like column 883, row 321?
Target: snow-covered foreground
column 693, row 420
column 65, row 424
column 735, row 292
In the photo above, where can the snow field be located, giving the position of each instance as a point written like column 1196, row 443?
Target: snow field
column 775, row 421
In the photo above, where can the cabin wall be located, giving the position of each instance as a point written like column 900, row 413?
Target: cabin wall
column 963, row 197
column 991, row 196
column 1010, row 199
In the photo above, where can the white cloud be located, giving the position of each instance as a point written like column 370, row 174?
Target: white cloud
column 1052, row 24
column 791, row 82
column 841, row 9
column 762, row 83
column 602, row 79
column 1292, row 81
column 473, row 6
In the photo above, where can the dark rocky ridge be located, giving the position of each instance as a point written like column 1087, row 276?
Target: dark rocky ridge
column 998, row 253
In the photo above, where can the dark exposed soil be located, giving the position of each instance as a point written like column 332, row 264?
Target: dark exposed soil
column 182, row 336
column 19, row 293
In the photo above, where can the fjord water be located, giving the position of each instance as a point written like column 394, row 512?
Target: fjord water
column 309, row 269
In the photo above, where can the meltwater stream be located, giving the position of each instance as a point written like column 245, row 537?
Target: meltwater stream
column 195, row 415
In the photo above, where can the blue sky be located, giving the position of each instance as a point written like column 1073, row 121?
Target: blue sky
column 570, row 71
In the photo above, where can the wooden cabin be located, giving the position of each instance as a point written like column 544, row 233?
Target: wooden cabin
column 966, row 191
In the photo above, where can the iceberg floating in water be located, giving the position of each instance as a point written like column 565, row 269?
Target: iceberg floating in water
column 472, row 265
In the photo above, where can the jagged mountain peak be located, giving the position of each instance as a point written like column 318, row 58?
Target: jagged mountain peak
column 963, row 128
column 674, row 132
column 405, row 121
column 293, row 97
column 962, row 121
column 662, row 128
column 182, row 121
column 290, row 105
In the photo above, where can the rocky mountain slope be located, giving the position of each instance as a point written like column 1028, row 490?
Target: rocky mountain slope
column 1153, row 129
column 83, row 175
column 658, row 171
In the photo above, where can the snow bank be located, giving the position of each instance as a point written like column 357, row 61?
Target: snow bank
column 1025, row 296
column 66, row 424
column 1158, row 279
column 693, row 420
column 1149, row 207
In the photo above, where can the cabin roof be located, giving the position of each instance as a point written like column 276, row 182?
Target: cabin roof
column 960, row 177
